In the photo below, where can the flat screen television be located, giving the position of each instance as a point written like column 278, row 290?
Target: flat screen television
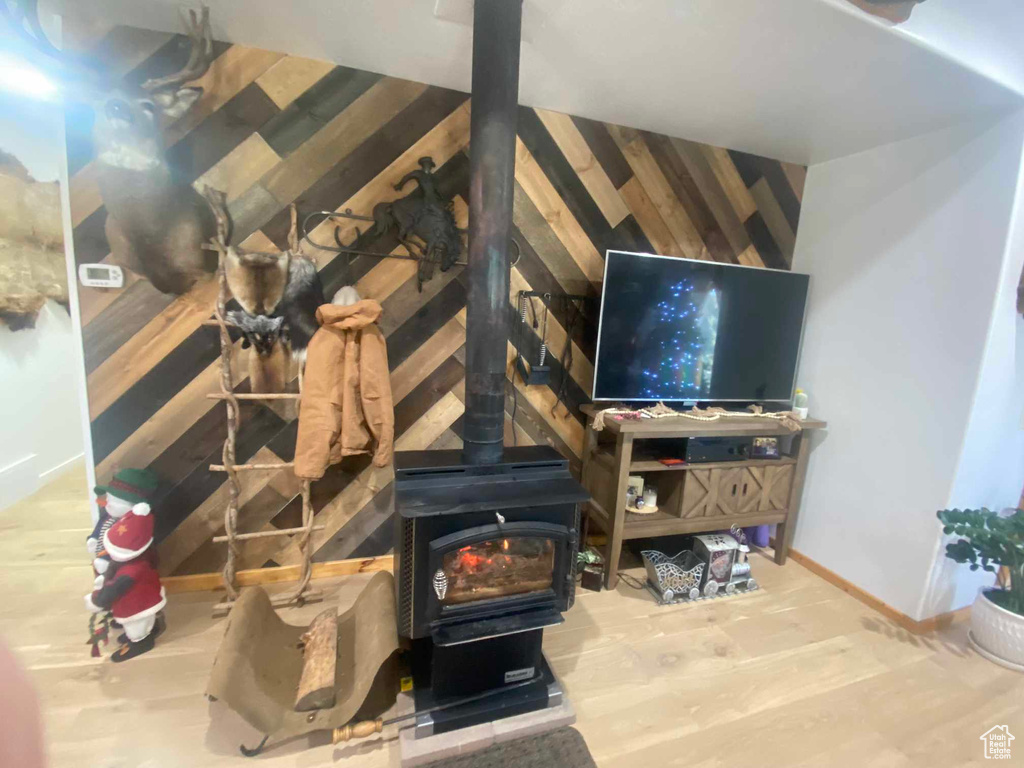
column 683, row 330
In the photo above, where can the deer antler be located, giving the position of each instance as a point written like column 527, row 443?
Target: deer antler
column 27, row 10
column 72, row 69
column 199, row 59
column 218, row 204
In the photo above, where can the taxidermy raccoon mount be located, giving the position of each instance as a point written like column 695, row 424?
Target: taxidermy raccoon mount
column 282, row 287
column 268, row 361
column 257, row 280
column 303, row 293
column 258, row 331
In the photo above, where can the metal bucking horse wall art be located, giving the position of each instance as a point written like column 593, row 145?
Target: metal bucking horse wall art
column 425, row 214
column 423, row 221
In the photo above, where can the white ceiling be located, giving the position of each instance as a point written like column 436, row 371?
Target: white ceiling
column 799, row 80
column 985, row 34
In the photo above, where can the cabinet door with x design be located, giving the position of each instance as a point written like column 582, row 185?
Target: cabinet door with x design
column 730, row 491
column 699, row 492
column 720, row 492
column 776, row 487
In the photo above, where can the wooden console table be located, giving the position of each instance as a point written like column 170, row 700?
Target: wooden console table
column 692, row 498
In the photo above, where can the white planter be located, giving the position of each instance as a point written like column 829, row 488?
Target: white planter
column 996, row 633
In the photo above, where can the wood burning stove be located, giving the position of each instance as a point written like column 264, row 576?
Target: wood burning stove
column 487, row 537
column 484, row 560
column 483, row 549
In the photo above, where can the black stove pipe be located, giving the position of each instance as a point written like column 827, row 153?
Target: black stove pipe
column 496, row 37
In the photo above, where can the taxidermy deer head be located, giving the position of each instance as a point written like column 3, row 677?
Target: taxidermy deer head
column 156, row 222
column 129, row 122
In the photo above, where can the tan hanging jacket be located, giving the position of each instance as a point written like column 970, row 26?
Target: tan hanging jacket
column 346, row 406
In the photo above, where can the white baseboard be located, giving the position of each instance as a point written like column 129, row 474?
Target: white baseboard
column 23, row 478
column 52, row 472
column 19, row 480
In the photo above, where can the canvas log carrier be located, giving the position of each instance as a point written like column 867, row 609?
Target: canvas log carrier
column 260, row 663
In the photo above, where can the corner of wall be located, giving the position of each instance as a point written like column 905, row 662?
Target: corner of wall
column 76, row 321
column 884, row 235
column 990, row 465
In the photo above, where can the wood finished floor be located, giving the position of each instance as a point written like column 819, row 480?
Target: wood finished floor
column 797, row 674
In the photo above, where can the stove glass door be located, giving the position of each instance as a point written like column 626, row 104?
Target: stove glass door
column 494, row 568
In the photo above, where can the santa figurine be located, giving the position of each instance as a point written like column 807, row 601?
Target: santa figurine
column 128, row 488
column 130, row 588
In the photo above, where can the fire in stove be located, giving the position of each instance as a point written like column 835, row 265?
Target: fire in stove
column 496, row 569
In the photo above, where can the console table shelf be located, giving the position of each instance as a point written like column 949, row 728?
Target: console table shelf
column 640, row 464
column 665, row 524
column 692, row 498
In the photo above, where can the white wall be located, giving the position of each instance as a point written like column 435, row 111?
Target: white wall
column 797, row 80
column 40, row 368
column 990, row 472
column 905, row 244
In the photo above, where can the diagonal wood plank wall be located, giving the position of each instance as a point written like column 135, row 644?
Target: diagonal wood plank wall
column 273, row 129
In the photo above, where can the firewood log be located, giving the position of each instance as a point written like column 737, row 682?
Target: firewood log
column 320, row 658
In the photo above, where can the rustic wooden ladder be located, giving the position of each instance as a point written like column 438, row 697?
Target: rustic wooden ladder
column 302, row 593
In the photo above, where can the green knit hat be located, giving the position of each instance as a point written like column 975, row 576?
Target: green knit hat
column 133, row 485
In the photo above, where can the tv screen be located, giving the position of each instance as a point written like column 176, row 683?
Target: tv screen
column 677, row 329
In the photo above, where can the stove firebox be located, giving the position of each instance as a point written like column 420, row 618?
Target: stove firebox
column 482, row 549
column 484, row 560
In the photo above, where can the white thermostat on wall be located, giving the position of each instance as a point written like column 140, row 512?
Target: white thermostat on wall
column 100, row 276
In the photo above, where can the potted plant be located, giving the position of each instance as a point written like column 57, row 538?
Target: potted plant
column 993, row 543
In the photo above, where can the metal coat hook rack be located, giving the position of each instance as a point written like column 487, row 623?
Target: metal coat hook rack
column 340, row 247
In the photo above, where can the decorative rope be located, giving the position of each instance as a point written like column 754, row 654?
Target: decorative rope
column 661, row 411
column 305, row 544
column 231, row 402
